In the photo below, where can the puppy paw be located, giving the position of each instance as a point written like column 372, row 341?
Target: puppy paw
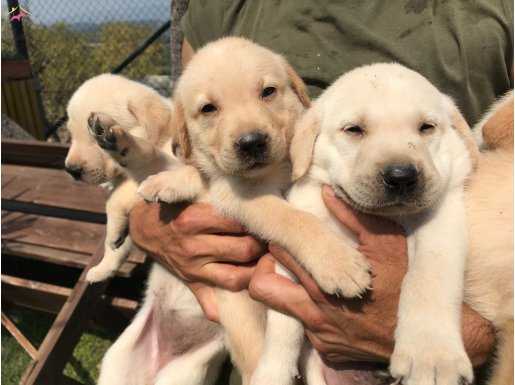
column 99, row 273
column 109, row 136
column 345, row 271
column 163, row 187
column 426, row 360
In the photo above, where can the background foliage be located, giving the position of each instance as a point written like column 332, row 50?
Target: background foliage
column 64, row 55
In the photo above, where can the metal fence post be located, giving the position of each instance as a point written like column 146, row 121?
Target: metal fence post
column 17, row 28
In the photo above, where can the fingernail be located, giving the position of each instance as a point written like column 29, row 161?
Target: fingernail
column 328, row 191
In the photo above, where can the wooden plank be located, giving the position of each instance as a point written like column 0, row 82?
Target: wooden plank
column 63, row 258
column 12, row 205
column 55, row 233
column 66, row 330
column 27, row 372
column 50, row 187
column 33, row 294
column 124, row 305
column 18, row 336
column 137, row 256
column 50, row 298
column 33, row 153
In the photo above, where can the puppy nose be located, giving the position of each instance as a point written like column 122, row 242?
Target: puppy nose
column 252, row 145
column 400, row 178
column 74, row 171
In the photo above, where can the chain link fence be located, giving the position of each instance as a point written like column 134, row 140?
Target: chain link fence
column 73, row 40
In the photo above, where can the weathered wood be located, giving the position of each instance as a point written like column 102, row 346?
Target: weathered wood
column 18, row 336
column 33, row 153
column 50, row 298
column 50, row 187
column 33, row 294
column 56, row 233
column 52, row 211
column 66, row 330
column 27, row 372
column 31, row 182
column 64, row 258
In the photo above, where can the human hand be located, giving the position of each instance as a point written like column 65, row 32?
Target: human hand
column 355, row 330
column 199, row 245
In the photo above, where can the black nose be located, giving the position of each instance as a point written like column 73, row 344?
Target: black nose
column 74, row 171
column 253, row 145
column 400, row 178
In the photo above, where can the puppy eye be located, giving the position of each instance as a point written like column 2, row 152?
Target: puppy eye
column 267, row 92
column 426, row 128
column 208, row 108
column 354, row 130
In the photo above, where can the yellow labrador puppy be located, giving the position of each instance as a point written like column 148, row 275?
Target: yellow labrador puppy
column 495, row 129
column 489, row 200
column 391, row 144
column 169, row 342
column 236, row 105
column 144, row 113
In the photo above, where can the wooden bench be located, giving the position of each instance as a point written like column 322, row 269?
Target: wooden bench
column 49, row 219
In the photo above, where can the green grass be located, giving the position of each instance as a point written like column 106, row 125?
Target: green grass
column 83, row 366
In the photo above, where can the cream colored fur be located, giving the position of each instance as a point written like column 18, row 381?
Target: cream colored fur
column 390, row 104
column 169, row 342
column 144, row 114
column 498, row 124
column 252, row 195
column 489, row 201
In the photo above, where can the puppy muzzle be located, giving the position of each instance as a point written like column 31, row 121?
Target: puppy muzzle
column 75, row 171
column 400, row 179
column 253, row 149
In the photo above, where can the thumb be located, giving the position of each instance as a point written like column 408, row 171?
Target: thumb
column 342, row 211
column 283, row 295
column 207, row 299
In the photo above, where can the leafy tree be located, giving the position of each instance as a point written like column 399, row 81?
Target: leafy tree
column 63, row 57
column 118, row 40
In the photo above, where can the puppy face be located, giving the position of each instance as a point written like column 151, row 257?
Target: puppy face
column 386, row 139
column 115, row 99
column 86, row 161
column 238, row 102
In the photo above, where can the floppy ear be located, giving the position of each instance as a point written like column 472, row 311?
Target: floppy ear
column 179, row 129
column 298, row 86
column 153, row 114
column 497, row 130
column 464, row 131
column 303, row 143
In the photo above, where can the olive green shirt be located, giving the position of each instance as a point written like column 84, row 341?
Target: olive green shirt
column 465, row 47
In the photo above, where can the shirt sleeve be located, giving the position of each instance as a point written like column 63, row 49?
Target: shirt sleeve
column 203, row 22
column 508, row 9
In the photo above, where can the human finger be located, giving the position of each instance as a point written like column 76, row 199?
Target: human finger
column 283, row 295
column 203, row 218
column 207, row 299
